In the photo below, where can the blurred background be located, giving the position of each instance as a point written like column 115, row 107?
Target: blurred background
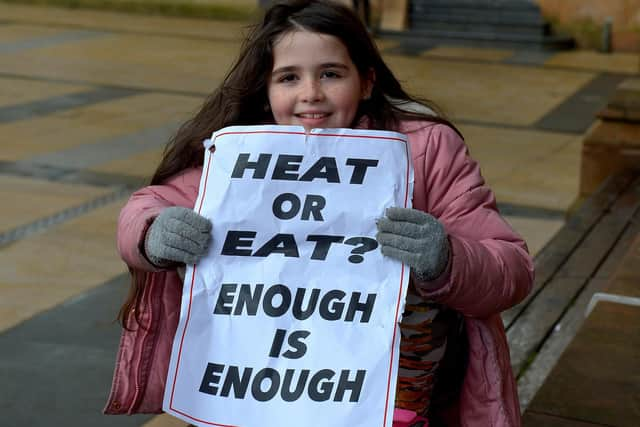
column 546, row 93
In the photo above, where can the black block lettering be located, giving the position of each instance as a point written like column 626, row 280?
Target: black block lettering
column 277, row 210
column 323, row 244
column 236, row 240
column 278, row 340
column 267, row 303
column 324, row 168
column 210, row 378
column 274, row 384
column 296, row 342
column 321, row 392
column 354, row 386
column 286, row 393
column 259, row 167
column 279, row 244
column 284, row 164
column 360, row 169
column 297, row 310
column 365, row 307
column 248, row 299
column 313, row 205
column 225, row 298
column 329, row 308
column 235, row 382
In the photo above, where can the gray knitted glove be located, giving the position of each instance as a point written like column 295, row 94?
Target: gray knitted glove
column 415, row 238
column 177, row 235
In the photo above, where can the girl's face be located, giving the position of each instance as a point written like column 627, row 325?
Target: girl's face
column 314, row 83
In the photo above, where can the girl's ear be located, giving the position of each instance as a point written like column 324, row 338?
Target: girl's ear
column 367, row 84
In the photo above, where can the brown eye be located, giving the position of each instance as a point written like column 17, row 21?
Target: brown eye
column 330, row 75
column 287, row 78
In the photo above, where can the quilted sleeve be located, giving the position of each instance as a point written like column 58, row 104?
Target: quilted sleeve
column 490, row 268
column 142, row 208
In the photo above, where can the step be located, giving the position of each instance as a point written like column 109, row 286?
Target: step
column 501, row 13
column 507, row 41
column 422, row 25
column 522, row 5
column 481, row 36
column 505, row 23
column 470, row 16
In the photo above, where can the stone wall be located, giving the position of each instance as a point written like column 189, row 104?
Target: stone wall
column 584, row 19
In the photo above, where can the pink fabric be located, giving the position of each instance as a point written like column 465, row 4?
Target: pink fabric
column 143, row 355
column 405, row 418
column 490, row 271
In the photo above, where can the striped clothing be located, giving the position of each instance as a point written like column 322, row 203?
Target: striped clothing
column 422, row 345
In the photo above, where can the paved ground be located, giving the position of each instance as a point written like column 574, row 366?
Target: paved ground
column 87, row 101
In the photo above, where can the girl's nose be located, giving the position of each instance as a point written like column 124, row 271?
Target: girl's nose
column 312, row 91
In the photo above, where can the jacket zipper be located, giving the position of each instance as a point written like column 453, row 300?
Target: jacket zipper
column 142, row 373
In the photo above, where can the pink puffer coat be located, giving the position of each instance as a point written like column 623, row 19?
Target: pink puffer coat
column 490, row 271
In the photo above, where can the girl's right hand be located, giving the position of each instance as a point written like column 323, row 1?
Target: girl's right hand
column 177, row 235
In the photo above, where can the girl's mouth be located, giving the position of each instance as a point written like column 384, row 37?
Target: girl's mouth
column 312, row 116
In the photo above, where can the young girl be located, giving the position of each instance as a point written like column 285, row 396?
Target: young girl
column 313, row 63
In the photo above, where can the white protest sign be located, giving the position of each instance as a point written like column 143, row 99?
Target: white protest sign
column 292, row 318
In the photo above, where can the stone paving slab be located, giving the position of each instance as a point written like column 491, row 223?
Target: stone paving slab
column 47, row 269
column 114, row 21
column 20, row 91
column 11, row 32
column 114, row 60
column 165, row 420
column 498, row 93
column 31, row 199
column 575, row 114
column 548, row 182
column 144, row 120
column 43, row 107
column 547, row 161
column 15, row 36
column 529, row 57
column 596, row 379
column 47, row 40
column 89, row 155
column 142, row 164
column 57, row 367
column 617, row 62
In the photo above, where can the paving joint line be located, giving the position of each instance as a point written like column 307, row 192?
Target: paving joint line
column 129, row 31
column 23, row 231
column 474, row 122
column 141, row 90
column 530, row 212
column 49, row 41
column 55, row 104
column 70, row 176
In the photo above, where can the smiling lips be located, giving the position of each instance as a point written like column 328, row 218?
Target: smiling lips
column 312, row 120
column 312, row 115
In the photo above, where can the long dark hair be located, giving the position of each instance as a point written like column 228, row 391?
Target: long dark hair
column 242, row 97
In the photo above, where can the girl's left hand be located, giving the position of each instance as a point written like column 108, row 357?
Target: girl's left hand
column 415, row 238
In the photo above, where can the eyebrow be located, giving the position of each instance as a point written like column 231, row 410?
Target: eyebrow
column 290, row 68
